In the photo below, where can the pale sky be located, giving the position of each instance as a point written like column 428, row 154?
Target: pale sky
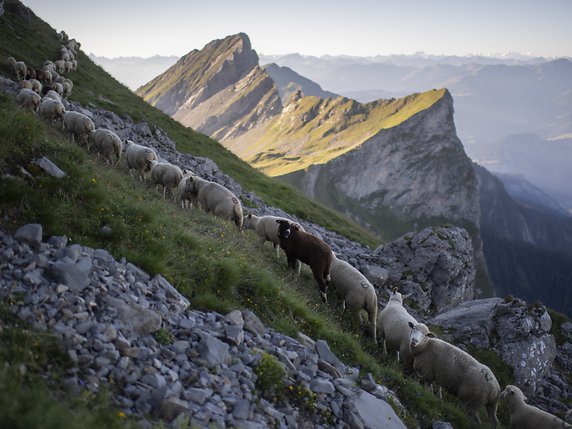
column 113, row 28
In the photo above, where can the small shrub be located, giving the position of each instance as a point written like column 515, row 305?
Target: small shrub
column 270, row 375
column 162, row 336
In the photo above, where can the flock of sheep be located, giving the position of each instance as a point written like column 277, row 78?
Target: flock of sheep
column 435, row 361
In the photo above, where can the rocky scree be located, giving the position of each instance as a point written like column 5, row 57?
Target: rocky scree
column 169, row 362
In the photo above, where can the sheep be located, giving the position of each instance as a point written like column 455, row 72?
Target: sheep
column 524, row 416
column 53, row 95
column 51, row 110
column 394, row 329
column 77, row 124
column 58, row 87
column 31, row 73
column 45, row 76
column 62, row 36
column 455, row 370
column 165, row 174
column 356, row 292
column 136, row 157
column 266, row 228
column 217, row 199
column 28, row 99
column 67, row 89
column 25, row 84
column 107, row 144
column 185, row 190
column 300, row 245
column 60, row 66
column 19, row 68
column 36, row 85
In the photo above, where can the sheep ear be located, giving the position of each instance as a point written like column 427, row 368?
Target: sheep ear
column 410, row 324
column 394, row 289
column 278, row 221
column 430, row 335
column 296, row 226
column 249, row 216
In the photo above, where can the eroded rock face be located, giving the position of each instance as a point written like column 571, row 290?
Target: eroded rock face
column 435, row 266
column 517, row 332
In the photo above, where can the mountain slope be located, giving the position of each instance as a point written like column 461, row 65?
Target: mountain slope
column 527, row 250
column 289, row 82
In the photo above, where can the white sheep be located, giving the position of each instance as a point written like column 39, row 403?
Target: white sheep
column 60, row 66
column 36, row 85
column 166, row 175
column 356, row 292
column 67, row 89
column 19, row 68
column 524, row 416
column 58, row 87
column 51, row 109
column 394, row 328
column 28, row 99
column 217, row 199
column 53, row 95
column 457, row 371
column 266, row 228
column 136, row 157
column 78, row 124
column 185, row 190
column 25, row 84
column 107, row 144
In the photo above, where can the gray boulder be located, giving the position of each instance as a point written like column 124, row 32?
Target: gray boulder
column 143, row 321
column 435, row 266
column 518, row 333
column 368, row 412
column 70, row 275
column 30, row 234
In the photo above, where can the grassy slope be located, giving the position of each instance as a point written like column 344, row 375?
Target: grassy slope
column 315, row 131
column 204, row 257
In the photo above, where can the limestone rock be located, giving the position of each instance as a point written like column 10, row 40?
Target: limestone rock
column 30, row 234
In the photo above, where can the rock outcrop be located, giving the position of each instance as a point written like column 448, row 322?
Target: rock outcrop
column 521, row 336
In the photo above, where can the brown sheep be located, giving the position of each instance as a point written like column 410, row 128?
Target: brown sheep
column 299, row 245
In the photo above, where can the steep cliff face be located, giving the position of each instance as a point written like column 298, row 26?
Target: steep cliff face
column 403, row 175
column 219, row 90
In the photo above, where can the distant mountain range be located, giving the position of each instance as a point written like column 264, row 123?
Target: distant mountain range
column 135, row 71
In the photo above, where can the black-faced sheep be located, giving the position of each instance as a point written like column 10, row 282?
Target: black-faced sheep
column 136, row 157
column 78, row 125
column 107, row 144
column 300, row 245
column 19, row 68
column 166, row 175
column 28, row 99
column 356, row 292
column 455, row 370
column 394, row 329
column 524, row 416
column 51, row 110
column 217, row 199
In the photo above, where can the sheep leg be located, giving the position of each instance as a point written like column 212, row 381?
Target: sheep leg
column 492, row 413
column 277, row 249
column 319, row 276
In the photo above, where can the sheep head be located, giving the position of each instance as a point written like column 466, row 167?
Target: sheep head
column 285, row 228
column 419, row 334
column 512, row 394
